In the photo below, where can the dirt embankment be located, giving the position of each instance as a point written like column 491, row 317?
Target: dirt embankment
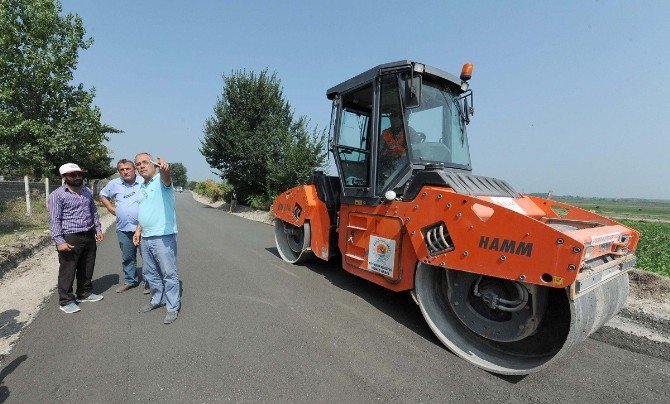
column 22, row 247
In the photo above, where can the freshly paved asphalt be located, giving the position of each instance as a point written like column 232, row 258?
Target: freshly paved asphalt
column 254, row 328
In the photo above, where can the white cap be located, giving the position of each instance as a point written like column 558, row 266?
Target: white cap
column 70, row 168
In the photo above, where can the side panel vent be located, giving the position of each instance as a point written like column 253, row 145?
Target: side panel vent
column 437, row 238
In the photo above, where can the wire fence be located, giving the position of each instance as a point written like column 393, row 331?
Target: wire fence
column 28, row 192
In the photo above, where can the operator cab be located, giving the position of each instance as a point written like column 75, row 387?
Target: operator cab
column 395, row 120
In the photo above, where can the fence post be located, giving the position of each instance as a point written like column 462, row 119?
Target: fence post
column 46, row 191
column 27, row 188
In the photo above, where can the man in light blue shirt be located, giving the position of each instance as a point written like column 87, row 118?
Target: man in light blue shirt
column 120, row 196
column 157, row 235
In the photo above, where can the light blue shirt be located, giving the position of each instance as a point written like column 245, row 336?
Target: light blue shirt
column 157, row 215
column 126, row 201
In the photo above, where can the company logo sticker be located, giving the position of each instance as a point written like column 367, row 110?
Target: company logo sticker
column 381, row 256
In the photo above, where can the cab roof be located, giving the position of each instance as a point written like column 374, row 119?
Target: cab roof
column 369, row 75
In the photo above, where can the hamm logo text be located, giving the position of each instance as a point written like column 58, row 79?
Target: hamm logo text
column 508, row 246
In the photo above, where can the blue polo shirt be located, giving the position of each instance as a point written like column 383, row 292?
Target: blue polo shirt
column 126, row 201
column 157, row 215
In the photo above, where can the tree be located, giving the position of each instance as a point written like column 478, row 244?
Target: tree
column 44, row 120
column 178, row 172
column 254, row 141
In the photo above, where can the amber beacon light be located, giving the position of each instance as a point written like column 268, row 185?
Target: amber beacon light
column 466, row 72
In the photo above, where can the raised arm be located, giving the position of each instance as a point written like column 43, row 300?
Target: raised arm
column 166, row 176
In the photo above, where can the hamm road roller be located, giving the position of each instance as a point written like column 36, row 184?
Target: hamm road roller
column 507, row 281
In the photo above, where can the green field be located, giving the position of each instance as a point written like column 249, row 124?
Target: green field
column 653, row 251
column 650, row 217
column 636, row 208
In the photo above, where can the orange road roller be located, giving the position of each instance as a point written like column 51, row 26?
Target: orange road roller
column 507, row 281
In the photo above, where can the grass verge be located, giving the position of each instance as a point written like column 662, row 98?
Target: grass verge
column 13, row 219
column 653, row 250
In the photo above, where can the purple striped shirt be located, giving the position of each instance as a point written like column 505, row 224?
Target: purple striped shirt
column 70, row 212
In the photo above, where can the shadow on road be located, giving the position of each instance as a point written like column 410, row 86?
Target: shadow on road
column 398, row 305
column 4, row 391
column 8, row 324
column 101, row 285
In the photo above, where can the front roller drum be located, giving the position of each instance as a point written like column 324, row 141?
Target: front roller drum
column 508, row 327
column 293, row 242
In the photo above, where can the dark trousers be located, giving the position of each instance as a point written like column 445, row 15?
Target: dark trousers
column 77, row 263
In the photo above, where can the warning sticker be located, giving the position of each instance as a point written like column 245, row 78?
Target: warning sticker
column 508, row 203
column 381, row 256
column 605, row 238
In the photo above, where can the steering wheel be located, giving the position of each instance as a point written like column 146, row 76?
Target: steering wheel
column 353, row 181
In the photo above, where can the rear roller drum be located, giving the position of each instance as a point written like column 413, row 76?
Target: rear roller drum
column 293, row 242
column 509, row 327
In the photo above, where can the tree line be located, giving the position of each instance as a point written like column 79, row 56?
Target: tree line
column 252, row 139
column 45, row 119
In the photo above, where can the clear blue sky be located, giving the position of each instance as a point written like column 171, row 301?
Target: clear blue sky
column 569, row 96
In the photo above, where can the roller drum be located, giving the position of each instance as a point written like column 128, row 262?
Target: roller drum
column 564, row 323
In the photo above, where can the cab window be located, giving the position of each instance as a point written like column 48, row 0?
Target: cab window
column 354, row 137
column 392, row 157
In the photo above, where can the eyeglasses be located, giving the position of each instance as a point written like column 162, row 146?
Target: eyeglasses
column 75, row 175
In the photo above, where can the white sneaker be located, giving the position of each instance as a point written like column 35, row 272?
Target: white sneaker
column 91, row 298
column 70, row 308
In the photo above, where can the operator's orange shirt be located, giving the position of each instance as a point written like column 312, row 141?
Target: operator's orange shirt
column 395, row 145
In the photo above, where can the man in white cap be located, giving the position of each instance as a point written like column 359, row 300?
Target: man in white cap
column 75, row 227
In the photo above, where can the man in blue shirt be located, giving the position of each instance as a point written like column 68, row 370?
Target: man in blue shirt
column 120, row 196
column 157, row 235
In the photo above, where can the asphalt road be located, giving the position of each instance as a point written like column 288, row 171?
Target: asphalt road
column 253, row 328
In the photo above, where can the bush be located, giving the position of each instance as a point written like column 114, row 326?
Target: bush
column 215, row 192
column 259, row 202
column 227, row 191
